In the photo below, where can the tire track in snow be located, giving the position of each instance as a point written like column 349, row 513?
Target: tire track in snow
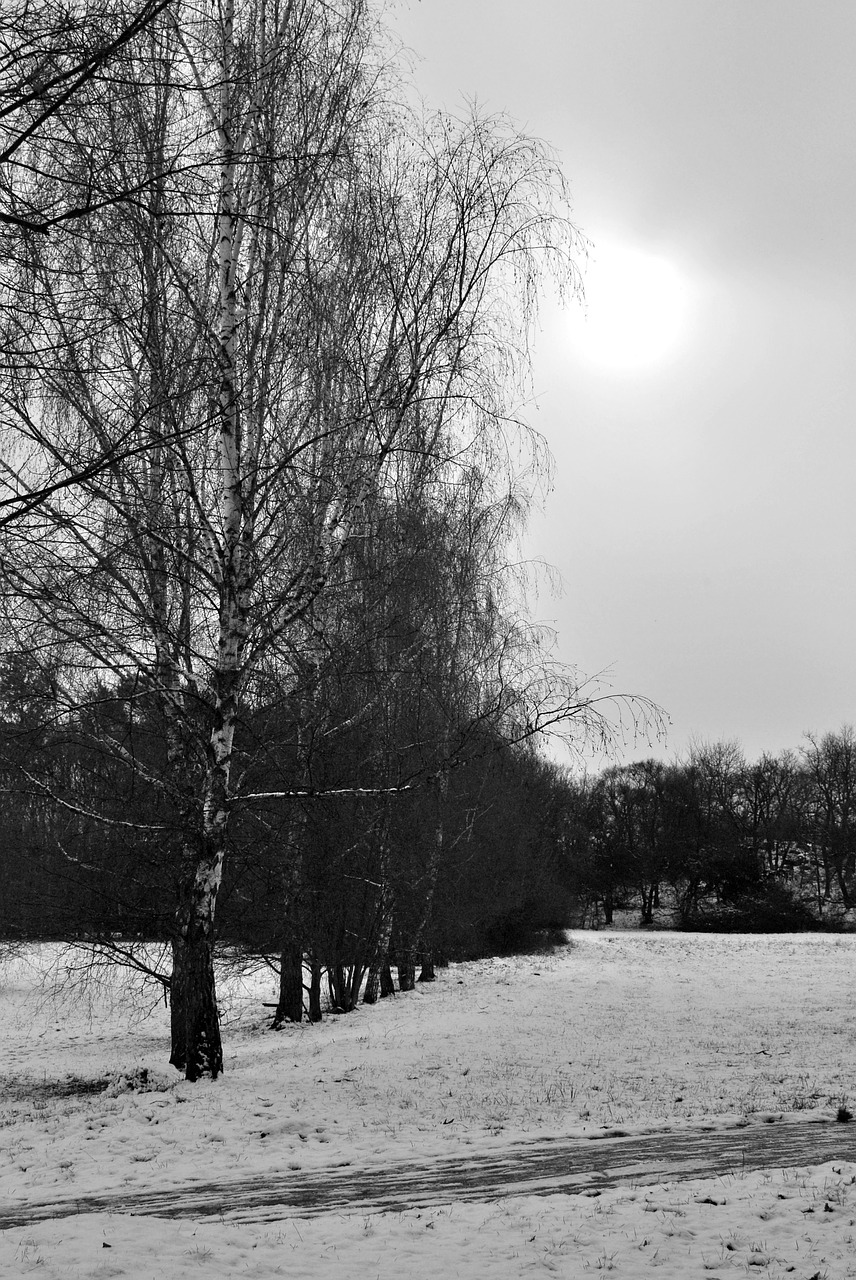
column 575, row 1165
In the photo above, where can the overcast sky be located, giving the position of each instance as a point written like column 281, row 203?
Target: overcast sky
column 702, row 418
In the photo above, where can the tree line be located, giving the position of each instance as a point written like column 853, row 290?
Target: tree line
column 719, row 840
column 264, row 335
column 338, row 887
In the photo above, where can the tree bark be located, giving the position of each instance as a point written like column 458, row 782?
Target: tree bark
column 406, row 965
column 315, row 991
column 842, row 882
column 290, row 1001
column 431, row 873
column 194, row 1018
column 196, row 1045
column 387, row 986
column 380, row 961
column 341, row 981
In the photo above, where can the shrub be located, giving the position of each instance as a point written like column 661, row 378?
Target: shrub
column 523, row 931
column 768, row 908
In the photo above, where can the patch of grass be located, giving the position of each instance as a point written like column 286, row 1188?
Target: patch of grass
column 67, row 1087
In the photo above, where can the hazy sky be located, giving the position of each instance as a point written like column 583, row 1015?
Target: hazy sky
column 702, row 418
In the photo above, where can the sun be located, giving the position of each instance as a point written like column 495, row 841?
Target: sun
column 636, row 310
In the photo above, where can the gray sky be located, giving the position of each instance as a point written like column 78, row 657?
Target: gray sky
column 701, row 420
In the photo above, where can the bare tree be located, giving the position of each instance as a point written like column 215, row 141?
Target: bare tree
column 830, row 763
column 314, row 299
column 767, row 810
column 55, row 58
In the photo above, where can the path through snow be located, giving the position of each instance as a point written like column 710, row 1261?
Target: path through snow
column 536, row 1168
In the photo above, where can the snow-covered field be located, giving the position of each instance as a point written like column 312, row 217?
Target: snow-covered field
column 629, row 1031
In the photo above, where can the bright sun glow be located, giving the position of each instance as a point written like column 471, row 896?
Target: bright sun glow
column 636, row 310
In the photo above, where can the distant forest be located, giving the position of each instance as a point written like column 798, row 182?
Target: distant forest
column 719, row 842
column 499, row 854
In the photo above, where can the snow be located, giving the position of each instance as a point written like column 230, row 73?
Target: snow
column 631, row 1031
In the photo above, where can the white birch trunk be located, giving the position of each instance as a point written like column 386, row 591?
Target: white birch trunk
column 197, row 1047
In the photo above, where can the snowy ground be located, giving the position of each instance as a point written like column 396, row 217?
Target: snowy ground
column 629, row 1031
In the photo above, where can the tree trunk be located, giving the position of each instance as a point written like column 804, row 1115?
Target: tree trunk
column 432, row 869
column 195, row 1022
column 406, row 965
column 290, row 1002
column 842, row 882
column 387, row 986
column 380, row 960
column 315, row 991
column 196, row 1047
column 371, row 993
column 341, row 980
column 818, row 886
column 380, row 963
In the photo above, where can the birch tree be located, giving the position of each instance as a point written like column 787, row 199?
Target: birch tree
column 131, row 335
column 317, row 298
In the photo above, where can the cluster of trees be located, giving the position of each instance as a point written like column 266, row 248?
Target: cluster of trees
column 337, row 884
column 726, row 836
column 263, row 342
